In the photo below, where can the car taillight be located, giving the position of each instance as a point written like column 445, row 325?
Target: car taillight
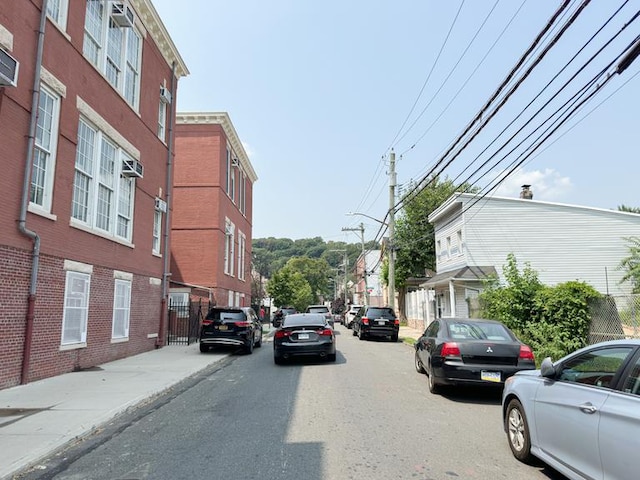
column 206, row 323
column 526, row 353
column 242, row 324
column 282, row 334
column 396, row 322
column 325, row 332
column 450, row 349
column 365, row 320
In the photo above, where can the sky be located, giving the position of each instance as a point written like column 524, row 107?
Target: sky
column 321, row 92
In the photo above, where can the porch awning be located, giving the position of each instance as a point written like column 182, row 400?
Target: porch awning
column 477, row 273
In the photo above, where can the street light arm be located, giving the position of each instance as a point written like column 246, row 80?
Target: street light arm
column 368, row 216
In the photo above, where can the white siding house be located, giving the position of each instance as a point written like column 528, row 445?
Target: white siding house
column 560, row 242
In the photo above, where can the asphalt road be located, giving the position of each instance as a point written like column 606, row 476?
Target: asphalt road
column 368, row 416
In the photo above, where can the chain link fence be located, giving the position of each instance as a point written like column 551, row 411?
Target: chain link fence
column 615, row 317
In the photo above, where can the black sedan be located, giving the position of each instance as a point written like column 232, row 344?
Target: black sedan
column 231, row 326
column 462, row 351
column 304, row 335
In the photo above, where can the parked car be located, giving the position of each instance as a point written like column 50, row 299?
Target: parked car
column 462, row 351
column 581, row 414
column 279, row 314
column 231, row 326
column 323, row 309
column 304, row 334
column 350, row 314
column 376, row 322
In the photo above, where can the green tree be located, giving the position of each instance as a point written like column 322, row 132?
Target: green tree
column 631, row 264
column 316, row 272
column 288, row 287
column 625, row 208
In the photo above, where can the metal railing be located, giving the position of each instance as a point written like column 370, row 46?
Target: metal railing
column 615, row 317
column 185, row 320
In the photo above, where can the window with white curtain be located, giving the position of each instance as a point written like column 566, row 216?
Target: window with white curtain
column 121, row 309
column 229, row 246
column 76, row 308
column 57, row 11
column 242, row 243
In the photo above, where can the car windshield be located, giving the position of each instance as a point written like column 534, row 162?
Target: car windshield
column 380, row 312
column 301, row 320
column 479, row 331
column 317, row 309
column 226, row 315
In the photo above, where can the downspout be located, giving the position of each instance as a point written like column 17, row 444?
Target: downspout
column 22, row 221
column 160, row 341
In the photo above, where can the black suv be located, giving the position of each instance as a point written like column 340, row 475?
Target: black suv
column 376, row 322
column 231, row 326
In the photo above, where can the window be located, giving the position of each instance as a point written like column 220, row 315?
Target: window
column 114, row 50
column 157, row 228
column 44, row 154
column 102, row 198
column 242, row 243
column 162, row 121
column 232, row 192
column 596, row 367
column 121, row 309
column 228, row 171
column 438, row 248
column 229, row 247
column 57, row 11
column 76, row 308
column 243, row 193
column 448, row 247
column 632, row 383
column 460, row 244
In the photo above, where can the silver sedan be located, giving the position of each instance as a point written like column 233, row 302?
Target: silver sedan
column 580, row 415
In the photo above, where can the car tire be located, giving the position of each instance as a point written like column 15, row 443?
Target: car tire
column 248, row 348
column 433, row 386
column 278, row 360
column 394, row 337
column 203, row 348
column 354, row 333
column 517, row 429
column 331, row 357
column 361, row 335
column 259, row 342
column 418, row 364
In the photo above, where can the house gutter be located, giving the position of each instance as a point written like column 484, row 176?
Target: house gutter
column 22, row 220
column 167, row 218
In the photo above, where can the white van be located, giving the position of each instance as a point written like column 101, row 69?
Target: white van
column 350, row 315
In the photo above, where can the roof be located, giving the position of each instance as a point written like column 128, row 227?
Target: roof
column 476, row 273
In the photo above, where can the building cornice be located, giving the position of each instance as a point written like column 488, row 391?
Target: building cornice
column 154, row 26
column 222, row 119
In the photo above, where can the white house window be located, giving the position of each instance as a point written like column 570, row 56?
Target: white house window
column 438, row 248
column 243, row 192
column 228, row 171
column 57, row 11
column 448, row 247
column 162, row 121
column 76, row 308
column 229, row 247
column 157, row 224
column 121, row 309
column 102, row 198
column 44, row 155
column 113, row 49
column 232, row 193
column 242, row 243
column 460, row 244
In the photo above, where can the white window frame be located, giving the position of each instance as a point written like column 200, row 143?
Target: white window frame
column 57, row 11
column 44, row 155
column 228, row 170
column 243, row 192
column 448, row 247
column 102, row 199
column 162, row 121
column 460, row 243
column 229, row 247
column 157, row 231
column 242, row 243
column 76, row 303
column 121, row 309
column 115, row 51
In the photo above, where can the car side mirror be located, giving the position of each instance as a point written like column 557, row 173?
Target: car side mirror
column 547, row 369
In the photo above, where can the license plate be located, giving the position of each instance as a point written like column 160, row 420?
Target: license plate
column 303, row 336
column 381, row 322
column 223, row 327
column 490, row 376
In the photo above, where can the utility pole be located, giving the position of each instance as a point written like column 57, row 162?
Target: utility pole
column 364, row 258
column 345, row 264
column 392, row 226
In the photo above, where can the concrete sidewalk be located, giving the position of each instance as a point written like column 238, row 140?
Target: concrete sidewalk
column 42, row 417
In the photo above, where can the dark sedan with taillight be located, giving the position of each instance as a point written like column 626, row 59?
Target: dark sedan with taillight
column 462, row 351
column 304, row 335
column 231, row 326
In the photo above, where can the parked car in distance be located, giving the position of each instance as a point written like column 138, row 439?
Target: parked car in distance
column 323, row 309
column 376, row 322
column 581, row 414
column 474, row 352
column 350, row 314
column 231, row 326
column 304, row 335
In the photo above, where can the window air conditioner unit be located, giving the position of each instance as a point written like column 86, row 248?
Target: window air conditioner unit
column 8, row 70
column 132, row 168
column 165, row 95
column 161, row 205
column 122, row 14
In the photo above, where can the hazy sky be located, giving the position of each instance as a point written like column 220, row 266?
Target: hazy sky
column 319, row 91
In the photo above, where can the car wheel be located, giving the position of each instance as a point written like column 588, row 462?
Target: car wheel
column 418, row 363
column 354, row 333
column 361, row 335
column 278, row 360
column 331, row 357
column 518, row 431
column 394, row 337
column 433, row 386
column 259, row 342
column 203, row 348
column 248, row 348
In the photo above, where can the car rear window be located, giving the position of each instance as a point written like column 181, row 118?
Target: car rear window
column 226, row 315
column 317, row 309
column 479, row 331
column 299, row 320
column 380, row 313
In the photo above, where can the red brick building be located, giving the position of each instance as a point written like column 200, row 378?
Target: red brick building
column 86, row 91
column 212, row 211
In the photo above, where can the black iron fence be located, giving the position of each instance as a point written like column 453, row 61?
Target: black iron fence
column 185, row 320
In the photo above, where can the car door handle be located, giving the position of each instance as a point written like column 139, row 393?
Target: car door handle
column 588, row 408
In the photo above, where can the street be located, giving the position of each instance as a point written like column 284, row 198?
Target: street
column 368, row 416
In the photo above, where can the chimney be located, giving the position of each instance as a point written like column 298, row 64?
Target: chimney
column 526, row 192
